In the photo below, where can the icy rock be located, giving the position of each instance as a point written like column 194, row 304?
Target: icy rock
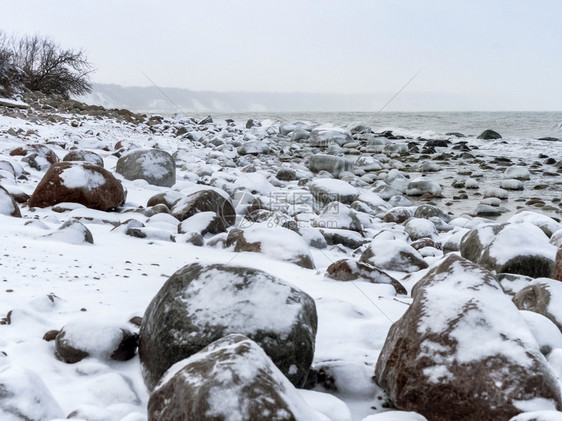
column 512, row 184
column 351, row 270
column 300, row 134
column 253, row 148
column 8, row 205
column 517, row 173
column 273, row 241
column 82, row 338
column 324, row 137
column 430, row 351
column 393, row 255
column 205, row 201
column 72, row 232
column 496, row 192
column 155, row 166
column 335, row 165
column 84, row 156
column 543, row 296
column 203, row 223
column 200, row 304
column 84, row 183
column 489, row 135
column 420, row 186
column 386, row 192
column 24, row 396
column 287, row 174
column 418, row 228
column 327, row 190
column 231, row 379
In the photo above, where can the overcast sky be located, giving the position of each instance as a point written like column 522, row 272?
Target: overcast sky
column 507, row 53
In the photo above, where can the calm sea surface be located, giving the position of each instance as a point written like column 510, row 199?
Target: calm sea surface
column 508, row 124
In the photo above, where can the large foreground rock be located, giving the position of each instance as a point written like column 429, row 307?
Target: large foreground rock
column 155, row 166
column 202, row 303
column 78, row 182
column 232, row 379
column 462, row 351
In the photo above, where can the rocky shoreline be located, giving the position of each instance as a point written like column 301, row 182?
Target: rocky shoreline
column 336, row 273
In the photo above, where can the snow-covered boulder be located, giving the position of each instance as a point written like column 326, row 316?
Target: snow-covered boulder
column 545, row 223
column 201, row 303
column 421, row 186
column 517, row 172
column 326, row 190
column 231, row 379
column 253, row 148
column 78, row 182
column 273, row 241
column 155, row 166
column 351, row 270
column 335, row 165
column 84, row 156
column 8, row 205
column 207, row 200
column 418, row 228
column 24, row 396
column 81, row 338
column 72, row 232
column 336, row 215
column 393, row 255
column 37, row 156
column 545, row 332
column 520, row 248
column 324, row 137
column 512, row 184
column 543, row 296
column 464, row 347
column 203, row 223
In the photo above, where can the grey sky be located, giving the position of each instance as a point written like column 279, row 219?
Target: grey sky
column 506, row 53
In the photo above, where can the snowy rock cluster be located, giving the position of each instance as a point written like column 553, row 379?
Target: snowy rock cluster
column 170, row 268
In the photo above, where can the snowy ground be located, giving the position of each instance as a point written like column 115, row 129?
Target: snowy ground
column 49, row 282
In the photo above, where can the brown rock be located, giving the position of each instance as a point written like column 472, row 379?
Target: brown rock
column 472, row 358
column 350, row 270
column 84, row 183
column 41, row 150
